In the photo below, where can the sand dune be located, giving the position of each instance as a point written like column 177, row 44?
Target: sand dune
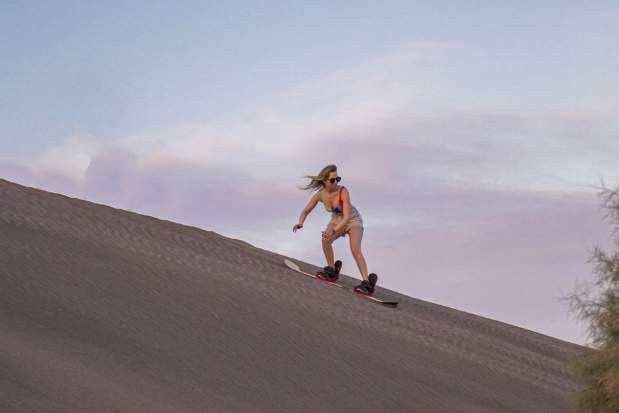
column 103, row 310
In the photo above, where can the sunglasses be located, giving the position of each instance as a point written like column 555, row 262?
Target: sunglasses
column 332, row 180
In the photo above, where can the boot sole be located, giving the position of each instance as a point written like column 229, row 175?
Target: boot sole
column 361, row 292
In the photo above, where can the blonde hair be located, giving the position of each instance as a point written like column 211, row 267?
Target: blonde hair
column 317, row 182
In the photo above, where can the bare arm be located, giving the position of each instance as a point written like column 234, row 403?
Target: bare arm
column 309, row 207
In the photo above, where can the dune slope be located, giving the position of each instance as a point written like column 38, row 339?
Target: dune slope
column 104, row 310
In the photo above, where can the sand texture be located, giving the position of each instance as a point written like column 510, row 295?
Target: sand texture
column 104, row 310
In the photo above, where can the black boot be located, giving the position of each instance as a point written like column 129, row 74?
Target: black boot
column 329, row 273
column 364, row 288
column 338, row 266
column 367, row 286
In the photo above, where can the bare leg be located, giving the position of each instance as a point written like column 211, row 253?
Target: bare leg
column 355, row 235
column 328, row 248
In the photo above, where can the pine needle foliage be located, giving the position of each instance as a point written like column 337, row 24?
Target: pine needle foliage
column 598, row 365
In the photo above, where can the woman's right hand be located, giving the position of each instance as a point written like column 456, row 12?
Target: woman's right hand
column 296, row 227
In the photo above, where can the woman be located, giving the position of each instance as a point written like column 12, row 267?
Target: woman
column 345, row 219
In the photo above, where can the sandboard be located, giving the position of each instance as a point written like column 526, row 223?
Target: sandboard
column 296, row 268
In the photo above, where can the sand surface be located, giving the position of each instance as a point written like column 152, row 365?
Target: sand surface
column 104, row 310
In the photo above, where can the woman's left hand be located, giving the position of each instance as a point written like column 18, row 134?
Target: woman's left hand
column 328, row 234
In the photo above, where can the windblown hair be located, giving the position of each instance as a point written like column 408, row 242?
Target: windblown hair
column 317, row 182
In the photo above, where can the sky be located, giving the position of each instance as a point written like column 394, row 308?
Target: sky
column 473, row 136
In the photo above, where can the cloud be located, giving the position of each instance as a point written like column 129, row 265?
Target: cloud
column 71, row 158
column 412, row 106
column 48, row 179
column 211, row 196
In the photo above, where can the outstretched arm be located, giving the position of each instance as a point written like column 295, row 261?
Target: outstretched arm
column 308, row 208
